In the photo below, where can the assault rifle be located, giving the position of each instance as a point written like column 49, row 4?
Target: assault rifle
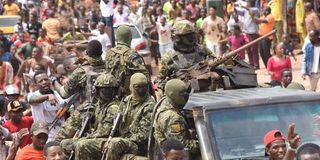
column 207, row 75
column 80, row 131
column 61, row 112
column 113, row 131
column 234, row 52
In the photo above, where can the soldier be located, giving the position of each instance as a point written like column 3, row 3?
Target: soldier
column 102, row 113
column 169, row 122
column 78, row 80
column 136, row 122
column 122, row 61
column 185, row 53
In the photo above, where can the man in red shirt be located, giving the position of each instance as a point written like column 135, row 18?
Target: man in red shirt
column 34, row 151
column 18, row 124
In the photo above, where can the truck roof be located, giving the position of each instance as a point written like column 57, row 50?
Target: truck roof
column 214, row 100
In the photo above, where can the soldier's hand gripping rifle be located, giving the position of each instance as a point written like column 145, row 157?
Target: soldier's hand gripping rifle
column 80, row 131
column 113, row 131
column 61, row 112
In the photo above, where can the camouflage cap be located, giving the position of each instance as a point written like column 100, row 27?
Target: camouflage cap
column 182, row 27
column 106, row 80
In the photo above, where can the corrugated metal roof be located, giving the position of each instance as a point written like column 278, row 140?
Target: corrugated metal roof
column 247, row 97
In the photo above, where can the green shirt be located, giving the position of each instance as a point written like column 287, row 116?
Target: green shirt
column 26, row 50
column 166, row 7
column 199, row 22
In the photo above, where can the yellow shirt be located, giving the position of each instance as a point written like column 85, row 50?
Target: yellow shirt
column 52, row 26
column 13, row 9
column 76, row 37
column 300, row 16
column 229, row 8
column 276, row 9
column 167, row 7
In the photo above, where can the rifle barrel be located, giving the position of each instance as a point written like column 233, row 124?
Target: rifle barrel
column 234, row 52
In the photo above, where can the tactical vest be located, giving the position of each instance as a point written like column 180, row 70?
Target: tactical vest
column 92, row 72
column 118, row 65
column 186, row 60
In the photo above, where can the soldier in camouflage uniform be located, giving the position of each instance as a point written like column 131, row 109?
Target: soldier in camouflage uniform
column 136, row 122
column 169, row 122
column 103, row 113
column 92, row 62
column 122, row 61
column 186, row 53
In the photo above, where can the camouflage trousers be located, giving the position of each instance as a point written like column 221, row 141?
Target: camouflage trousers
column 84, row 149
column 124, row 149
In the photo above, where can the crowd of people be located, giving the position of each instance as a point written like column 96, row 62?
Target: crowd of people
column 69, row 69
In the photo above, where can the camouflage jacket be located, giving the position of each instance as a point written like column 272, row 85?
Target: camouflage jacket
column 104, row 115
column 169, row 123
column 73, row 123
column 173, row 61
column 136, row 121
column 78, row 79
column 122, row 62
column 99, row 125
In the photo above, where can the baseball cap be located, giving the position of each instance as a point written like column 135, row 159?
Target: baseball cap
column 14, row 106
column 39, row 127
column 272, row 136
column 12, row 89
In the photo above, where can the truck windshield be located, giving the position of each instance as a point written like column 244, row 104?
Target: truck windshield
column 239, row 132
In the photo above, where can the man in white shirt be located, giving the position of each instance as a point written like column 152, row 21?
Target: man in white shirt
column 212, row 27
column 164, row 34
column 133, row 16
column 102, row 37
column 120, row 17
column 124, row 5
column 107, row 18
column 45, row 102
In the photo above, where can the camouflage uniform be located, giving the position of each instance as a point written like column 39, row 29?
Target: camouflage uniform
column 73, row 123
column 169, row 123
column 122, row 61
column 183, row 55
column 135, row 125
column 89, row 147
column 78, row 79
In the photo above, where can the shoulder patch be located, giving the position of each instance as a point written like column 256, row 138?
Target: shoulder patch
column 114, row 108
column 176, row 127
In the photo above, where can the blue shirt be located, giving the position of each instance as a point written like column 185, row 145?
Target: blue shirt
column 307, row 59
column 6, row 57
